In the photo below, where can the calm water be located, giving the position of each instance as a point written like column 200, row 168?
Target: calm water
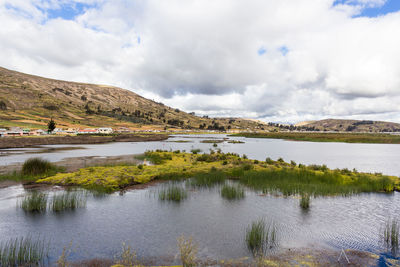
column 151, row 227
column 364, row 157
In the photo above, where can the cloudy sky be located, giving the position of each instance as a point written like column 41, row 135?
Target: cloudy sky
column 273, row 60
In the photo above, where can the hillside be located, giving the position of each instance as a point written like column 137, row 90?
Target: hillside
column 30, row 101
column 351, row 126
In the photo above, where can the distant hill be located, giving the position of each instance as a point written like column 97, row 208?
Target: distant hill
column 30, row 101
column 351, row 126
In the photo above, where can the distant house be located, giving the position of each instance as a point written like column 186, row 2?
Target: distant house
column 88, row 131
column 15, row 131
column 71, row 131
column 105, row 130
column 123, row 130
column 3, row 132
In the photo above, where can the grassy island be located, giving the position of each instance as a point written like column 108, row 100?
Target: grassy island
column 265, row 176
column 371, row 138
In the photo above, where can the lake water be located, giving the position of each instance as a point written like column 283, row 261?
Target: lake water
column 152, row 227
column 364, row 157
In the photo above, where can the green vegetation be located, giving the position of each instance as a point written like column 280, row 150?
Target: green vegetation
column 305, row 201
column 328, row 137
column 232, row 192
column 37, row 166
column 68, row 201
column 51, row 125
column 210, row 169
column 208, row 179
column 260, row 237
column 23, row 252
column 188, row 251
column 172, row 193
column 34, row 202
column 391, row 235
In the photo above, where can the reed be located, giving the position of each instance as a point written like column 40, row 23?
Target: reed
column 305, row 201
column 24, row 251
column 231, row 192
column 260, row 237
column 172, row 193
column 188, row 251
column 209, row 179
column 391, row 235
column 68, row 201
column 35, row 202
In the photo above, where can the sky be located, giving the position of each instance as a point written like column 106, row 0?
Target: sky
column 273, row 60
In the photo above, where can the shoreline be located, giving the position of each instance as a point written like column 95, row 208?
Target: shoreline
column 21, row 142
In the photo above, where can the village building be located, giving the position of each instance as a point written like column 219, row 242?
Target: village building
column 105, row 130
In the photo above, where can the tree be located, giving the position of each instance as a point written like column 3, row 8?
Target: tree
column 3, row 105
column 51, row 126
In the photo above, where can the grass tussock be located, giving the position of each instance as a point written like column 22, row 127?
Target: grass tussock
column 305, row 201
column 35, row 202
column 260, row 237
column 391, row 235
column 37, row 166
column 232, row 192
column 68, row 201
column 24, row 251
column 172, row 193
column 188, row 251
column 127, row 257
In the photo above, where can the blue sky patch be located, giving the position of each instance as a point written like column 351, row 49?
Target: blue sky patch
column 261, row 51
column 67, row 11
column 284, row 50
column 390, row 6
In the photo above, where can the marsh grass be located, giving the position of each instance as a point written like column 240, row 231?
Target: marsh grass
column 172, row 193
column 291, row 181
column 34, row 202
column 37, row 166
column 261, row 237
column 305, row 201
column 68, row 201
column 209, row 179
column 24, row 251
column 391, row 235
column 232, row 192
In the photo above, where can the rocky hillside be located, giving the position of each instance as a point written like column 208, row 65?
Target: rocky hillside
column 30, row 101
column 350, row 126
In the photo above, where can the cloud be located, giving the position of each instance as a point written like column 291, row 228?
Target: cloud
column 265, row 59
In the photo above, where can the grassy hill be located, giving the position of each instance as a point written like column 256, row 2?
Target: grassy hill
column 30, row 101
column 351, row 126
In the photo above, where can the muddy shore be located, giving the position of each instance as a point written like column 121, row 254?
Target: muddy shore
column 20, row 142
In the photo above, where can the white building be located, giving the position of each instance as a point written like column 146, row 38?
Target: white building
column 105, row 130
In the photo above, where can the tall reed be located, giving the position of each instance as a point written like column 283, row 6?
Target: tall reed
column 34, row 202
column 209, row 179
column 232, row 192
column 260, row 237
column 305, row 201
column 24, row 251
column 68, row 201
column 172, row 193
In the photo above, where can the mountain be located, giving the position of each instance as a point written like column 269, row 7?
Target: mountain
column 351, row 125
column 30, row 101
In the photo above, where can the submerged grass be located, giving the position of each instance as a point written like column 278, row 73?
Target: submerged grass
column 260, row 237
column 68, row 201
column 24, row 251
column 232, row 192
column 391, row 235
column 172, row 193
column 35, row 202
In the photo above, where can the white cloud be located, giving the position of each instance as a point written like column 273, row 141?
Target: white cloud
column 203, row 56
